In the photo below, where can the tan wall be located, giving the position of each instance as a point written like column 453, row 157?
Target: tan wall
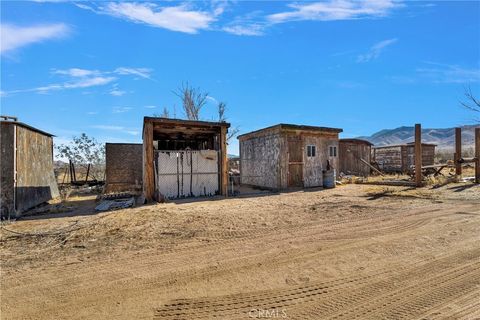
column 123, row 171
column 265, row 158
column 36, row 181
column 313, row 166
column 259, row 160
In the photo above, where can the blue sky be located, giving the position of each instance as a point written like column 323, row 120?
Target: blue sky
column 99, row 67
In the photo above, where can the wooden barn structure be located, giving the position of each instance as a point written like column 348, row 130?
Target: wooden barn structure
column 354, row 156
column 184, row 158
column 287, row 155
column 123, row 167
column 27, row 176
column 401, row 158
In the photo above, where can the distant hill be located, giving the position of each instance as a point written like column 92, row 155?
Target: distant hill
column 444, row 138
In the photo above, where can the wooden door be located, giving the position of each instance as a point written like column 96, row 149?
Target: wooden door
column 295, row 162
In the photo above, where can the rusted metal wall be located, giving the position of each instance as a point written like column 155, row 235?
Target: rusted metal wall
column 349, row 158
column 123, row 171
column 260, row 160
column 7, row 160
column 36, row 181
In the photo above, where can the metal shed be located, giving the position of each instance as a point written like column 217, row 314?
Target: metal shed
column 27, row 176
column 184, row 158
column 123, row 167
column 401, row 158
column 287, row 155
column 354, row 155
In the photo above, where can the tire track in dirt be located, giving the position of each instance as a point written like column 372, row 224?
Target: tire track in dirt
column 343, row 294
column 409, row 301
column 468, row 305
column 178, row 277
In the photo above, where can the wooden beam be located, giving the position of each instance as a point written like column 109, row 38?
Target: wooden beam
column 458, row 151
column 372, row 167
column 148, row 174
column 477, row 155
column 418, row 155
column 223, row 161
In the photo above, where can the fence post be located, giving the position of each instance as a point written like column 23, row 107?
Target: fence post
column 418, row 155
column 458, row 151
column 477, row 155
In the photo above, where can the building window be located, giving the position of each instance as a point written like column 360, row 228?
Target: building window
column 311, row 151
column 333, row 151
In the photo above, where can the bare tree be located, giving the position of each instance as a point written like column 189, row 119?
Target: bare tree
column 193, row 100
column 472, row 103
column 222, row 108
column 232, row 133
column 165, row 113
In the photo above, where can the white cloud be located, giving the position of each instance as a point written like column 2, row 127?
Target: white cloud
column 334, row 10
column 150, row 107
column 82, row 83
column 14, row 37
column 84, row 78
column 141, row 72
column 130, row 131
column 253, row 29
column 376, row 50
column 117, row 93
column 105, row 127
column 121, row 109
column 76, row 72
column 446, row 73
column 179, row 18
column 89, row 82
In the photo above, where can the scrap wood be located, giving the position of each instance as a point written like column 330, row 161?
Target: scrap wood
column 391, row 183
column 372, row 167
column 115, row 204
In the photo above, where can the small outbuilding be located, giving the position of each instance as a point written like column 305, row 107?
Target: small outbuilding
column 27, row 173
column 287, row 155
column 401, row 158
column 184, row 158
column 354, row 156
column 123, row 167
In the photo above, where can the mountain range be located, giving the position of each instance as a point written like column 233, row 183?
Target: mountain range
column 443, row 138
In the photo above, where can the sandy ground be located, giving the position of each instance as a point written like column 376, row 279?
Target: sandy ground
column 354, row 252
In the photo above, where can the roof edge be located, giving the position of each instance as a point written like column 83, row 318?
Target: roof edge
column 293, row 127
column 26, row 126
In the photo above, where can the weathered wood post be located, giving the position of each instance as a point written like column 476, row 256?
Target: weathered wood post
column 148, row 174
column 418, row 155
column 458, row 151
column 223, row 161
column 477, row 155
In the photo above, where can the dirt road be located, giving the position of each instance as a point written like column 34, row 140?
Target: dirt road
column 355, row 252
